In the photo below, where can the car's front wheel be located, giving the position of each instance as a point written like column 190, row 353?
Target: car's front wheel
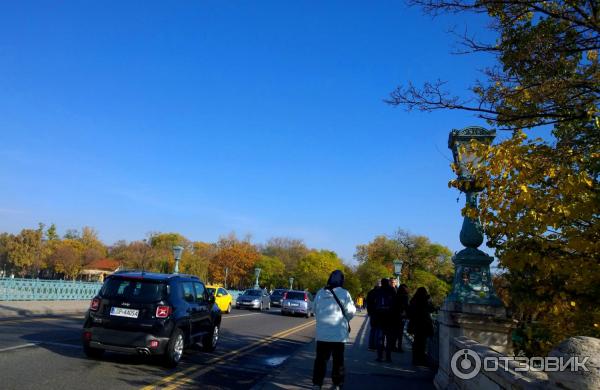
column 209, row 342
column 174, row 349
column 229, row 308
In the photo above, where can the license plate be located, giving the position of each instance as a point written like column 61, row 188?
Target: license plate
column 121, row 312
column 294, row 304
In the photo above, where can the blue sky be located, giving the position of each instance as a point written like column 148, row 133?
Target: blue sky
column 263, row 118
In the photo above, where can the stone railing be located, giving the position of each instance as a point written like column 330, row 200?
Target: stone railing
column 517, row 374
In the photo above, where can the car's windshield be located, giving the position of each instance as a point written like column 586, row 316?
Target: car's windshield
column 253, row 293
column 134, row 290
column 278, row 293
column 295, row 295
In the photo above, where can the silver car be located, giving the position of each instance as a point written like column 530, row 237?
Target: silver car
column 253, row 299
column 297, row 302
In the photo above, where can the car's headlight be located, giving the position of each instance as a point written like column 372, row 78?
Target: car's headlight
column 256, row 300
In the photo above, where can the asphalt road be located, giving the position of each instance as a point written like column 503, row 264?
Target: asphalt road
column 46, row 353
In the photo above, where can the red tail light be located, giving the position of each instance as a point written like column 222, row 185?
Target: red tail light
column 87, row 336
column 153, row 344
column 95, row 304
column 284, row 295
column 305, row 297
column 163, row 311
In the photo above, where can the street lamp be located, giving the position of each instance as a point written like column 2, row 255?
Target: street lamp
column 291, row 282
column 226, row 272
column 257, row 274
column 177, row 251
column 398, row 269
column 472, row 280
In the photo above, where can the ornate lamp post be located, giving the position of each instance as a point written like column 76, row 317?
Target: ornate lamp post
column 177, row 251
column 291, row 282
column 257, row 274
column 472, row 280
column 226, row 272
column 398, row 269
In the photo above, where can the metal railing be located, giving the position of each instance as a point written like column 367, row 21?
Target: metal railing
column 13, row 289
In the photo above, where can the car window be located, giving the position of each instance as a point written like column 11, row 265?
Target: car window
column 134, row 290
column 294, row 295
column 253, row 293
column 188, row 291
column 210, row 290
column 199, row 292
column 222, row 291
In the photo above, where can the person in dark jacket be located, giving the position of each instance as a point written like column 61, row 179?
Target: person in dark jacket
column 382, row 312
column 370, row 296
column 402, row 301
column 421, row 324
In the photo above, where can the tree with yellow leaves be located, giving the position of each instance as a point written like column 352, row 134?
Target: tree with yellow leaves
column 540, row 202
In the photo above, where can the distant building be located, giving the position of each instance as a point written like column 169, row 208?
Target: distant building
column 97, row 270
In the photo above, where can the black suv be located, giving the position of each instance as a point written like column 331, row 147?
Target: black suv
column 151, row 314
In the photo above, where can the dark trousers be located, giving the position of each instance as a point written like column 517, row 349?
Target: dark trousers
column 385, row 341
column 418, row 349
column 372, row 340
column 324, row 351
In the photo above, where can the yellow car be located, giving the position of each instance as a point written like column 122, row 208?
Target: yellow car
column 222, row 297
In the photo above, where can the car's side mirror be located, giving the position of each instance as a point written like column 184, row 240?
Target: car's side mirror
column 219, row 295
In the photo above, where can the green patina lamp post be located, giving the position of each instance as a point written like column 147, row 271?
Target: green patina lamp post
column 472, row 280
column 398, row 269
column 291, row 282
column 177, row 251
column 257, row 274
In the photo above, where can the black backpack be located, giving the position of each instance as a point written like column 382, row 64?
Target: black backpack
column 384, row 302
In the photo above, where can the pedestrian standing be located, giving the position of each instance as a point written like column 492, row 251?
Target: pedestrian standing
column 402, row 302
column 382, row 319
column 333, row 308
column 420, row 324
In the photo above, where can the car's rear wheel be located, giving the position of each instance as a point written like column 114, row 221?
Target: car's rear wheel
column 209, row 342
column 174, row 349
column 261, row 307
column 229, row 308
column 92, row 352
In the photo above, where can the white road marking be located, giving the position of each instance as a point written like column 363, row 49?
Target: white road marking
column 240, row 315
column 18, row 347
column 38, row 343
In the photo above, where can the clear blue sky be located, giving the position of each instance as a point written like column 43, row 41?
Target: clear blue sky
column 263, row 118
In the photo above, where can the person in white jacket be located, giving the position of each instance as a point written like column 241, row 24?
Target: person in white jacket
column 333, row 328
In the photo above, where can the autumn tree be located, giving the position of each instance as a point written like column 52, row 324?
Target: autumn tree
column 272, row 273
column 196, row 260
column 238, row 256
column 540, row 201
column 26, row 251
column 162, row 245
column 135, row 255
column 290, row 251
column 68, row 257
column 314, row 269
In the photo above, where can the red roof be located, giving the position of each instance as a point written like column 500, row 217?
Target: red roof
column 104, row 264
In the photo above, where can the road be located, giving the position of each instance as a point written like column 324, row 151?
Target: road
column 46, row 353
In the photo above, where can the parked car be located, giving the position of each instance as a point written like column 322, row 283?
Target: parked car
column 277, row 296
column 222, row 297
column 254, row 299
column 297, row 302
column 151, row 314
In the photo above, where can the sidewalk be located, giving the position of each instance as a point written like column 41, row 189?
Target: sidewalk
column 361, row 369
column 10, row 310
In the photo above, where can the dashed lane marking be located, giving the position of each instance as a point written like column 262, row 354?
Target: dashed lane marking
column 187, row 375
